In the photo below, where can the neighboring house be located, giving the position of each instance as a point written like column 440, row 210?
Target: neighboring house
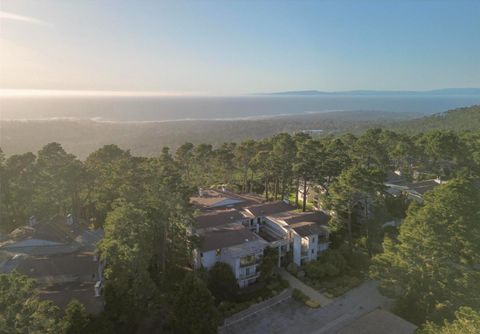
column 62, row 277
column 314, row 192
column 60, row 255
column 213, row 199
column 397, row 186
column 58, row 235
column 235, row 245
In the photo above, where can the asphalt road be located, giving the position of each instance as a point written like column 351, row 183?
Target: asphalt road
column 293, row 317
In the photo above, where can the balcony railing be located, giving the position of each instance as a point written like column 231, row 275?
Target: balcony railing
column 250, row 275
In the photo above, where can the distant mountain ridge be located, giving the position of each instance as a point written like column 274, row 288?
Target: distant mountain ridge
column 439, row 92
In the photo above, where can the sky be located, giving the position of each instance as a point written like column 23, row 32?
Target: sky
column 236, row 47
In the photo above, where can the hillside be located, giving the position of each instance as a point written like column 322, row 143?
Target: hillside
column 147, row 138
column 460, row 119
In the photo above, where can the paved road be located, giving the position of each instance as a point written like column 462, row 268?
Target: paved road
column 293, row 317
column 313, row 294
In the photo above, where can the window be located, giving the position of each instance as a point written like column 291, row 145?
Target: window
column 201, row 254
column 218, row 252
column 312, row 251
column 313, row 239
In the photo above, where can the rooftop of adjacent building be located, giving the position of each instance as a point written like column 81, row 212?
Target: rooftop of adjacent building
column 62, row 294
column 226, row 236
column 217, row 218
column 218, row 198
column 269, row 208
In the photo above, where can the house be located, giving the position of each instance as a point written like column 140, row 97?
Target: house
column 238, row 233
column 60, row 254
column 54, row 236
column 61, row 277
column 314, row 192
column 235, row 245
column 397, row 186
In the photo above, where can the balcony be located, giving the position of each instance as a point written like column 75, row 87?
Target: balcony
column 250, row 260
column 249, row 275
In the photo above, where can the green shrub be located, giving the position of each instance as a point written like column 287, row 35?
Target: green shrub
column 299, row 296
column 222, row 282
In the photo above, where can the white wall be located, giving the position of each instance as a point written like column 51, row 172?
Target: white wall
column 209, row 259
column 297, row 249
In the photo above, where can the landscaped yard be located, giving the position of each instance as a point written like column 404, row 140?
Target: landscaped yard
column 334, row 273
column 252, row 295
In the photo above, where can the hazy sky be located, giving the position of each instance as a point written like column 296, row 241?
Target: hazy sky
column 236, row 47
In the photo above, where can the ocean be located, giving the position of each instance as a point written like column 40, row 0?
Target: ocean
column 158, row 109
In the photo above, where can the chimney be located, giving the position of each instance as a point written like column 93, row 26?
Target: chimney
column 32, row 221
column 200, row 192
column 69, row 219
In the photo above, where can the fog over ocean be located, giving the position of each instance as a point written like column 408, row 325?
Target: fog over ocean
column 148, row 109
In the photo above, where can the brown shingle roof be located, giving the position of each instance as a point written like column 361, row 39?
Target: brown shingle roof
column 56, row 230
column 226, row 236
column 214, row 198
column 218, row 218
column 304, row 229
column 269, row 208
column 61, row 294
column 79, row 264
column 317, row 217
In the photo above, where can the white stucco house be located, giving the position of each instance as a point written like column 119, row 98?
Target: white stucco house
column 238, row 233
column 305, row 234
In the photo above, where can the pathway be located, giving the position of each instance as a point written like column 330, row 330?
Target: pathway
column 313, row 294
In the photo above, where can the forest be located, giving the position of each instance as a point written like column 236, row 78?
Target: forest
column 430, row 265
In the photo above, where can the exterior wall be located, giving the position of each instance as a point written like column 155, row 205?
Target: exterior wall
column 312, row 247
column 248, row 274
column 297, row 249
column 322, row 247
column 245, row 275
column 209, row 259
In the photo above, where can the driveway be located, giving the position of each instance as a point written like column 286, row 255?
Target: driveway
column 293, row 317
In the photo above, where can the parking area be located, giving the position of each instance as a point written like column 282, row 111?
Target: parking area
column 293, row 317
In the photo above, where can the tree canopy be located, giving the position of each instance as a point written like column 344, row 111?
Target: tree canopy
column 432, row 269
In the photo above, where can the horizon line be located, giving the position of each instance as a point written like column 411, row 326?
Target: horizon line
column 12, row 93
